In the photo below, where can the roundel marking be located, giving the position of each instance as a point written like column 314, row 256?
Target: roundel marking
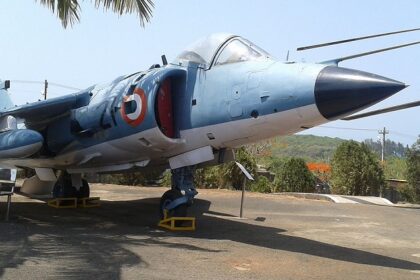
column 135, row 117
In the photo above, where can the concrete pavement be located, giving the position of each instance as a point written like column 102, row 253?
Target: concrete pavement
column 281, row 238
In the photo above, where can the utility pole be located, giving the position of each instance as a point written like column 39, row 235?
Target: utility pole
column 45, row 89
column 383, row 133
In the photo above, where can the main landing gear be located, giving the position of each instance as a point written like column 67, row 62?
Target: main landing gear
column 71, row 185
column 181, row 195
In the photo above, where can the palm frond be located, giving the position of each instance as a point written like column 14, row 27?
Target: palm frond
column 143, row 8
column 68, row 10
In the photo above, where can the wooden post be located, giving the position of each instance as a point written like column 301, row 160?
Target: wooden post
column 9, row 201
column 242, row 198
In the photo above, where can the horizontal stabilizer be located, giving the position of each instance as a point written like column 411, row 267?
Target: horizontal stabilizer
column 384, row 110
column 340, row 59
column 355, row 39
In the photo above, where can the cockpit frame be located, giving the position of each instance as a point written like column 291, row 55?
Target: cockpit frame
column 198, row 58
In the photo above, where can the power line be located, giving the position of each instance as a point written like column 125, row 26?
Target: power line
column 43, row 82
column 26, row 82
column 63, row 86
column 369, row 129
column 403, row 134
column 15, row 91
column 348, row 128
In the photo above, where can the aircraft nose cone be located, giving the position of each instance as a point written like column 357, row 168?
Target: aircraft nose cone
column 341, row 91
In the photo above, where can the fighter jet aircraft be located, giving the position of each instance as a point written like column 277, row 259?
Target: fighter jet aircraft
column 220, row 93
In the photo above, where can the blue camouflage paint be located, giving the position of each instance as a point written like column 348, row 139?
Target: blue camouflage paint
column 101, row 119
column 281, row 87
column 222, row 94
column 19, row 138
column 218, row 82
column 285, row 86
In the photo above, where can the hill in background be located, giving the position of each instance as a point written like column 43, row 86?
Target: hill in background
column 321, row 148
column 308, row 147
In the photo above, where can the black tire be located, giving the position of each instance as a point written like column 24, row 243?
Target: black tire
column 168, row 197
column 63, row 188
column 84, row 190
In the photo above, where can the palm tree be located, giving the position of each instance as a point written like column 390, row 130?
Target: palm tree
column 68, row 10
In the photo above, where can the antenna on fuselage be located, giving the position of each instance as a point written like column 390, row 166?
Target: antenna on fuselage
column 164, row 61
column 287, row 55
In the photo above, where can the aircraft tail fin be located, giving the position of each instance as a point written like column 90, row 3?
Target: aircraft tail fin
column 5, row 100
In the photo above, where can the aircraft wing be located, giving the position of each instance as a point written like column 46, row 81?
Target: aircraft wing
column 38, row 114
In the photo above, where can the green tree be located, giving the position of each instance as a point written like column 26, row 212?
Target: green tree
column 137, row 178
column 395, row 168
column 310, row 147
column 355, row 170
column 224, row 176
column 294, row 176
column 68, row 11
column 392, row 149
column 413, row 169
column 208, row 177
column 262, row 184
column 277, row 163
column 231, row 175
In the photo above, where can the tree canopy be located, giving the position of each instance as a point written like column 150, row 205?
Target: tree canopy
column 232, row 175
column 356, row 170
column 413, row 169
column 294, row 176
column 392, row 149
column 68, row 11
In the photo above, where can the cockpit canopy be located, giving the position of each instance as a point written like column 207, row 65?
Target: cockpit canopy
column 219, row 49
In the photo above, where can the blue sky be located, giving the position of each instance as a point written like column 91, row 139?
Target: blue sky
column 34, row 46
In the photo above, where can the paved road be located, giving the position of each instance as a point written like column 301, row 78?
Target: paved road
column 282, row 238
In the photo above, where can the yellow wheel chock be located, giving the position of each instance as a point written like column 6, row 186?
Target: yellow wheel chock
column 171, row 223
column 89, row 202
column 58, row 202
column 74, row 202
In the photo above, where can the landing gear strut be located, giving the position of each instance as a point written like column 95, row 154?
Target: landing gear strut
column 71, row 185
column 181, row 195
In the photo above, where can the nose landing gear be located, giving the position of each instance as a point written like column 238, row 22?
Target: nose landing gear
column 181, row 195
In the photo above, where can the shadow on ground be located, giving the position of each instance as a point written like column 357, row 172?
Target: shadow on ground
column 91, row 242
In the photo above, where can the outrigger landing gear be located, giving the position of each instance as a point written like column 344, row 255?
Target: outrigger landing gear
column 71, row 185
column 71, row 191
column 181, row 195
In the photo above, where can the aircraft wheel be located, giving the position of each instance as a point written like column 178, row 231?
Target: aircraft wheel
column 63, row 189
column 84, row 191
column 167, row 198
